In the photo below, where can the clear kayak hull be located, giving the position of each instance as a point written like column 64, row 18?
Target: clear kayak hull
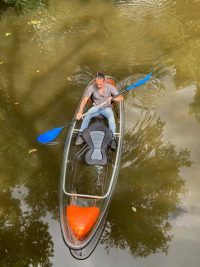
column 86, row 189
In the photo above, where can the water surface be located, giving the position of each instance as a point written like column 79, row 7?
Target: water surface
column 47, row 57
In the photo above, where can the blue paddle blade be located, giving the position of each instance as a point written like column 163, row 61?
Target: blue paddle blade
column 140, row 82
column 49, row 136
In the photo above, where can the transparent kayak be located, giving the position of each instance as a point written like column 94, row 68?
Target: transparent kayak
column 88, row 180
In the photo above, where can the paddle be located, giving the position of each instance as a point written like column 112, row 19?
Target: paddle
column 52, row 134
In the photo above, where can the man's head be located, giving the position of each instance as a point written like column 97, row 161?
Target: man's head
column 100, row 79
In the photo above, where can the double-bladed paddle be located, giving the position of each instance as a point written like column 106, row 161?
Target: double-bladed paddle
column 49, row 136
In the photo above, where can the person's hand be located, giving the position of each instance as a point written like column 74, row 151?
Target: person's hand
column 79, row 115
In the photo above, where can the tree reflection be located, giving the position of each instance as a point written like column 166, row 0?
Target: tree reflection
column 22, row 4
column 195, row 105
column 38, row 59
column 148, row 192
column 33, row 244
column 24, row 238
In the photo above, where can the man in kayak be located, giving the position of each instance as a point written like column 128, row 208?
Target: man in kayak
column 100, row 92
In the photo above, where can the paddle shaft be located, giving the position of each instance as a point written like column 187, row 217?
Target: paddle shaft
column 139, row 83
column 95, row 108
column 106, row 102
column 52, row 134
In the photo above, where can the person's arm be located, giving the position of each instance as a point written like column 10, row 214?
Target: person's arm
column 81, row 108
column 86, row 96
column 114, row 92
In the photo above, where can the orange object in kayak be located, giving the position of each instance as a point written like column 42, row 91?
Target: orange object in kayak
column 81, row 219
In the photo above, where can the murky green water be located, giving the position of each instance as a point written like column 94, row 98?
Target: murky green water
column 47, row 57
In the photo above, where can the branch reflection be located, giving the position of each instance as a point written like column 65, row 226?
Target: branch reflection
column 148, row 192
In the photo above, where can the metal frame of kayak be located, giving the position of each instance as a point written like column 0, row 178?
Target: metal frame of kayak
column 98, row 228
column 90, row 196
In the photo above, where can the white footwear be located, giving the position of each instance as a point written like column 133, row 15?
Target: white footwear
column 113, row 144
column 79, row 140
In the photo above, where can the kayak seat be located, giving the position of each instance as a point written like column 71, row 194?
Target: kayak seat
column 97, row 136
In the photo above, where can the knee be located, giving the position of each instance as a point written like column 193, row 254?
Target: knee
column 87, row 118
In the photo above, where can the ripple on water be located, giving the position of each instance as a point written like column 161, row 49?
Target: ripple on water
column 83, row 75
column 146, row 95
column 141, row 118
column 138, row 9
column 137, row 144
column 158, row 29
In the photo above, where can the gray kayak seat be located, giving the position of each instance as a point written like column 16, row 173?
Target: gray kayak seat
column 97, row 136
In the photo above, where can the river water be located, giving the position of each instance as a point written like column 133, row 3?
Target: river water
column 47, row 57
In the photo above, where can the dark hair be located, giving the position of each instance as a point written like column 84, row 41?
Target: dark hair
column 100, row 75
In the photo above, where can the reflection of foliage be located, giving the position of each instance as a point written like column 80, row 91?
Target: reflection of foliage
column 187, row 63
column 195, row 105
column 23, row 4
column 43, row 193
column 24, row 238
column 185, row 57
column 26, row 168
column 33, row 244
column 151, row 185
column 39, row 60
column 146, row 95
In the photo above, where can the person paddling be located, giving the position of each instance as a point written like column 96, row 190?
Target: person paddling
column 100, row 91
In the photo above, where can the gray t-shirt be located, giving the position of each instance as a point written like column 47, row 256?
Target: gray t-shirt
column 109, row 90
